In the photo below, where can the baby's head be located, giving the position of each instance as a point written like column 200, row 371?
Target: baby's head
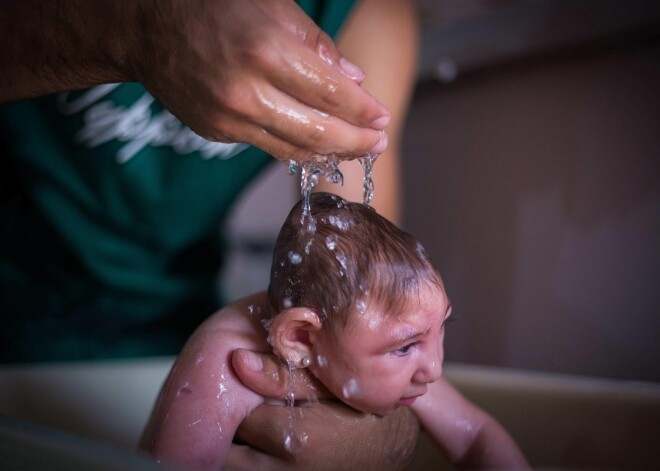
column 358, row 301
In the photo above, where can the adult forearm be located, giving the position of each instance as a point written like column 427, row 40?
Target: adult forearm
column 55, row 45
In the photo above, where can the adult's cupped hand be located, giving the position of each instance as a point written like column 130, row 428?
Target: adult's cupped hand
column 259, row 72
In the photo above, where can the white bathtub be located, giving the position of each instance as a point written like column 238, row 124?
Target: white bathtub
column 559, row 421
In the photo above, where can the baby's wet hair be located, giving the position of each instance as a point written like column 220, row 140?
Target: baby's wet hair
column 348, row 257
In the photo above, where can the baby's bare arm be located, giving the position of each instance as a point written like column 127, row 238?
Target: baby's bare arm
column 202, row 403
column 469, row 437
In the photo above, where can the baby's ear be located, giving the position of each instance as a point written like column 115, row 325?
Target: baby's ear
column 289, row 334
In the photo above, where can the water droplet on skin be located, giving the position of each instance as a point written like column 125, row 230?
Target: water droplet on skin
column 464, row 424
column 184, row 389
column 222, row 387
column 350, row 389
column 374, row 322
column 295, row 258
column 287, row 442
column 290, row 399
column 321, row 361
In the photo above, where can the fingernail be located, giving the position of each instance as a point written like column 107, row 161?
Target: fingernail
column 381, row 145
column 252, row 361
column 351, row 70
column 381, row 123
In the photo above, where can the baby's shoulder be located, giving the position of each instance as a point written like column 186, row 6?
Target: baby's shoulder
column 238, row 325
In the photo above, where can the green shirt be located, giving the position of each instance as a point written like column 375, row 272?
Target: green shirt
column 110, row 244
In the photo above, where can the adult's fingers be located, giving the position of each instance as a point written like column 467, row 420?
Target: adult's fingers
column 302, row 74
column 281, row 148
column 328, row 436
column 293, row 19
column 266, row 375
column 265, row 428
column 306, row 130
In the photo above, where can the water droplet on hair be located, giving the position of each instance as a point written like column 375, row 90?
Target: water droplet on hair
column 341, row 258
column 331, row 242
column 340, row 223
column 266, row 323
column 295, row 258
column 361, row 306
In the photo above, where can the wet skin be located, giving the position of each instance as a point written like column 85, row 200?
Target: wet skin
column 379, row 361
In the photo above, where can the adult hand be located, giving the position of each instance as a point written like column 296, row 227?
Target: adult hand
column 328, row 434
column 257, row 71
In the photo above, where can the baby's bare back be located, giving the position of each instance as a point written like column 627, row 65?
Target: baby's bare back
column 203, row 402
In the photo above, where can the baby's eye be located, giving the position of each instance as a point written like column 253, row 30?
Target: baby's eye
column 403, row 351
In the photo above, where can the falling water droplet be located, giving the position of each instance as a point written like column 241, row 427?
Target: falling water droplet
column 293, row 167
column 367, row 164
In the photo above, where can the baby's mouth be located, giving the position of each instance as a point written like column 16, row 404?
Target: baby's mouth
column 408, row 401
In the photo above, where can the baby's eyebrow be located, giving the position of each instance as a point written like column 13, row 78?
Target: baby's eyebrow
column 405, row 336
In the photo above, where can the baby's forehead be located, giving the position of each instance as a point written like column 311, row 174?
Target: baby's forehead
column 430, row 300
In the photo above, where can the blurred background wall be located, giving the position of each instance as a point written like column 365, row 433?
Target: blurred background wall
column 532, row 176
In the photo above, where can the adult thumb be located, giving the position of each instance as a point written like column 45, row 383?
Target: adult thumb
column 266, row 375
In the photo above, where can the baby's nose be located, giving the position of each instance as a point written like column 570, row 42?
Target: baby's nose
column 429, row 371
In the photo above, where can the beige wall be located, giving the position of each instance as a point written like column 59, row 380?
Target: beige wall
column 536, row 188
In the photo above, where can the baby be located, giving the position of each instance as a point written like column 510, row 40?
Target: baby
column 357, row 302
